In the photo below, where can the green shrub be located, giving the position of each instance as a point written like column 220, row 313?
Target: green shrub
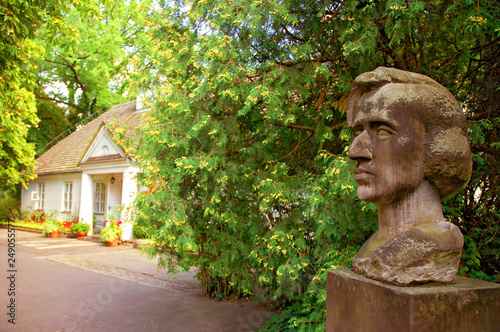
column 9, row 204
column 244, row 153
column 50, row 226
column 110, row 232
column 139, row 231
column 80, row 227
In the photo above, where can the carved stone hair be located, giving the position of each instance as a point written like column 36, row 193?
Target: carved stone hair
column 448, row 162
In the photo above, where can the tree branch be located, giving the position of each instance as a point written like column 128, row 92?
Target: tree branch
column 54, row 99
column 297, row 146
column 77, row 78
column 292, row 126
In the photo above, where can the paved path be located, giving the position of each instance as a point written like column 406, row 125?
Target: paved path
column 68, row 284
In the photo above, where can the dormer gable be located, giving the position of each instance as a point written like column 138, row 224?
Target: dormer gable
column 103, row 147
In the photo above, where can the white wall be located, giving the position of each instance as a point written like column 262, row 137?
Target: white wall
column 121, row 192
column 129, row 191
column 54, row 193
column 114, row 195
column 87, row 200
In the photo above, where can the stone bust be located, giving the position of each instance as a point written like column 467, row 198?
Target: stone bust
column 411, row 150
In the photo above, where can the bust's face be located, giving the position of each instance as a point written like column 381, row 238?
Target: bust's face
column 388, row 146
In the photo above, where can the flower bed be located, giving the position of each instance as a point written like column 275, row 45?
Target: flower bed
column 25, row 224
column 38, row 223
column 65, row 226
column 118, row 223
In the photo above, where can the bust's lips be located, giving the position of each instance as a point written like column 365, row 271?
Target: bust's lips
column 361, row 173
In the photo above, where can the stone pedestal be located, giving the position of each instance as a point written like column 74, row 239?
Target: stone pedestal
column 357, row 303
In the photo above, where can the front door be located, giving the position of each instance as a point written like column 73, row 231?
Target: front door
column 99, row 204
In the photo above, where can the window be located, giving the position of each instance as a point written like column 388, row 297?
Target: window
column 67, row 196
column 100, row 197
column 40, row 204
column 104, row 150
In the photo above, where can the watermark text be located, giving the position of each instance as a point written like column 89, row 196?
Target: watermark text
column 11, row 274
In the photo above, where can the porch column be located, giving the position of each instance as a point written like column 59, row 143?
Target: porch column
column 86, row 200
column 129, row 191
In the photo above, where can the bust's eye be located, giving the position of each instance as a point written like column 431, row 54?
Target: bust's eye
column 384, row 131
column 357, row 132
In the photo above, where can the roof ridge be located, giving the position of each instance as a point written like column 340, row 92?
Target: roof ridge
column 65, row 154
column 75, row 127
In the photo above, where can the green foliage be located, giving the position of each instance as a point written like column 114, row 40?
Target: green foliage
column 53, row 121
column 50, row 226
column 36, row 215
column 245, row 158
column 111, row 232
column 309, row 314
column 75, row 62
column 80, row 227
column 87, row 60
column 475, row 210
column 9, row 204
column 244, row 150
column 20, row 22
column 140, row 232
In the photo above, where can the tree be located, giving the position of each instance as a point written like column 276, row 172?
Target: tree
column 53, row 121
column 244, row 150
column 478, row 204
column 90, row 56
column 20, row 22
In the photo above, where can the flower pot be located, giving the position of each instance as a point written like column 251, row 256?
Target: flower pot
column 54, row 234
column 81, row 234
column 113, row 243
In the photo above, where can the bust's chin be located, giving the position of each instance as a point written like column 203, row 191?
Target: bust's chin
column 367, row 194
column 422, row 254
column 370, row 196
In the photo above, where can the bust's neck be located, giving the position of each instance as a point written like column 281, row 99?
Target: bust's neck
column 423, row 206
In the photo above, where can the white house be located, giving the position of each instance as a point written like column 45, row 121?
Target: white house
column 87, row 174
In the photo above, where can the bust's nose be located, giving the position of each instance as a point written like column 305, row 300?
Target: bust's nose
column 360, row 147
